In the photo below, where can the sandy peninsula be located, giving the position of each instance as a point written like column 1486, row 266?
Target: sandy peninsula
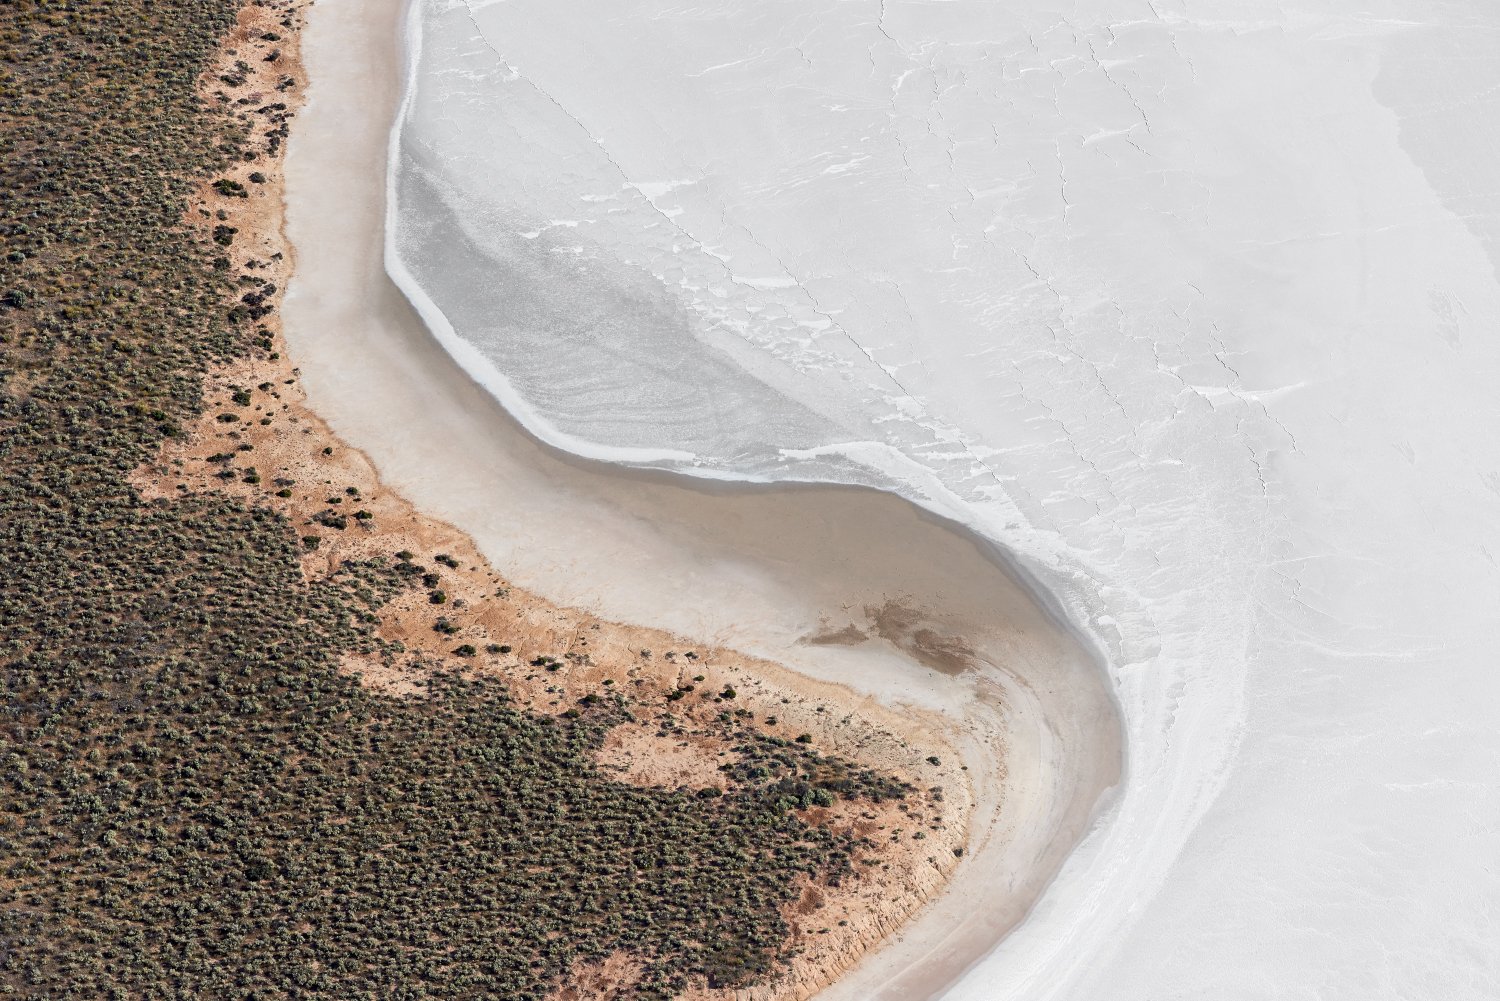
column 842, row 617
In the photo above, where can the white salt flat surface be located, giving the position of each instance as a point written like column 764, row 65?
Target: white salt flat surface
column 1192, row 305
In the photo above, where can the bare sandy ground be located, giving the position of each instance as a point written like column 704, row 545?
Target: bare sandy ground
column 844, row 585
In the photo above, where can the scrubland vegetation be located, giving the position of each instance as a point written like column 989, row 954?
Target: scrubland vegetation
column 194, row 803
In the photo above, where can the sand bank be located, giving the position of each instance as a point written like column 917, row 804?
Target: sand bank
column 844, row 585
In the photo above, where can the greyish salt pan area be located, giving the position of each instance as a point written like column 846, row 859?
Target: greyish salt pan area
column 1190, row 306
column 842, row 583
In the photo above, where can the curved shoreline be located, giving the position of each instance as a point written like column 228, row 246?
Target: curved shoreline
column 764, row 569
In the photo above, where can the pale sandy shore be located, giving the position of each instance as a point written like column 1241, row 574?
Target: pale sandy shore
column 844, row 585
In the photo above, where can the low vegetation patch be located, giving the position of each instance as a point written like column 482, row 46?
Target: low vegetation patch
column 194, row 801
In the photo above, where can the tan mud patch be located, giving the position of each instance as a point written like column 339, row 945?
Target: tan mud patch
column 850, row 635
column 912, row 631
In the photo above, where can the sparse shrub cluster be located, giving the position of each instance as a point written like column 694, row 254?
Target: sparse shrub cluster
column 797, row 769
